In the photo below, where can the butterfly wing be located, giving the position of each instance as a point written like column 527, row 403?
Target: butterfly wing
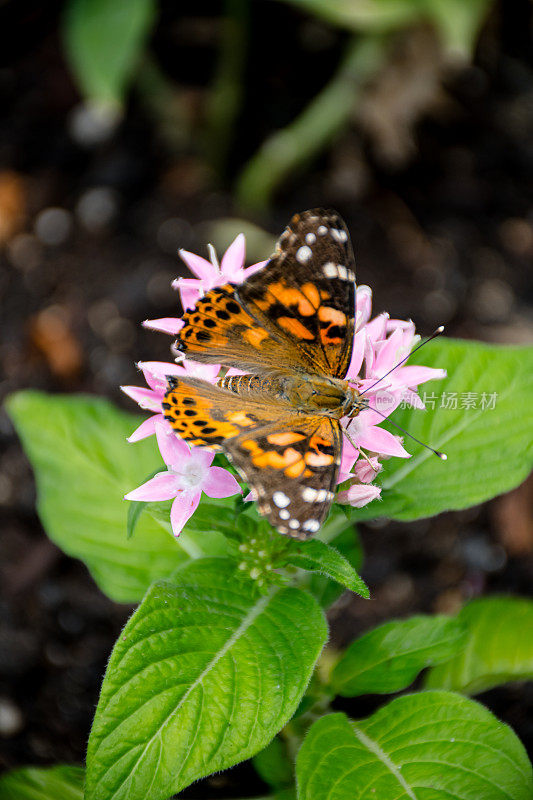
column 291, row 466
column 298, row 310
column 307, row 290
column 289, row 460
column 206, row 415
column 220, row 331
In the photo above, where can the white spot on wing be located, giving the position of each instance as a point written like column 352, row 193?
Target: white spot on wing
column 330, row 270
column 281, row 499
column 309, row 494
column 294, row 524
column 343, row 272
column 339, row 235
column 322, row 230
column 303, row 254
column 310, row 238
column 284, row 514
column 311, row 525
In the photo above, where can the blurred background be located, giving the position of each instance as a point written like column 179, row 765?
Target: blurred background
column 132, row 128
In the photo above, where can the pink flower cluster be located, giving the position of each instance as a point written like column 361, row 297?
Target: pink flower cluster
column 379, row 344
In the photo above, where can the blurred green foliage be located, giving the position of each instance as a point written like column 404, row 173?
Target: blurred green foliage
column 106, row 40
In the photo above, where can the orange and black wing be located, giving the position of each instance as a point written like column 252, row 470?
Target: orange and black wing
column 289, row 460
column 219, row 330
column 297, row 312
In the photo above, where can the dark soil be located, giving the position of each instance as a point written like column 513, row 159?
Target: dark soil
column 444, row 236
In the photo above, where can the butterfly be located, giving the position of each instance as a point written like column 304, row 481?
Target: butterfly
column 289, row 328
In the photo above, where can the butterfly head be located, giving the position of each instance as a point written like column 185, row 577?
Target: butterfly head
column 354, row 402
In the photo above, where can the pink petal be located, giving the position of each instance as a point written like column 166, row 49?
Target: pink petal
column 146, row 398
column 220, row 483
column 162, row 487
column 390, row 352
column 182, row 510
column 173, row 449
column 379, row 440
column 344, row 476
column 376, row 328
column 254, row 268
column 359, row 495
column 155, row 373
column 358, row 354
column 363, row 306
column 403, row 324
column 202, row 268
column 349, row 455
column 202, row 457
column 383, row 401
column 413, row 399
column 190, row 291
column 170, row 325
column 369, row 354
column 413, row 376
column 366, row 384
column 189, row 298
column 233, row 258
column 208, row 372
column 146, row 428
column 366, row 472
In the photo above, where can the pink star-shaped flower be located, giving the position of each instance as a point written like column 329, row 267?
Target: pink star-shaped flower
column 210, row 274
column 188, row 474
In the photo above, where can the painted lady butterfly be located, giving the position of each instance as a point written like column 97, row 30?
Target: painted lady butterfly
column 290, row 327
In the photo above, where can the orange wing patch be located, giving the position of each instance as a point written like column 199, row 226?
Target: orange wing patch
column 295, row 328
column 290, row 460
column 332, row 326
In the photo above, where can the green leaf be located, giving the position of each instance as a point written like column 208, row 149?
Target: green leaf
column 317, row 556
column 274, row 765
column 489, row 451
column 340, row 532
column 43, row 783
column 83, row 467
column 103, row 41
column 205, row 673
column 390, row 657
column 499, row 646
column 426, row 746
column 135, row 510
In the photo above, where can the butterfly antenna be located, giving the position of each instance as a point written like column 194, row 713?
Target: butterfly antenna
column 438, row 453
column 433, row 336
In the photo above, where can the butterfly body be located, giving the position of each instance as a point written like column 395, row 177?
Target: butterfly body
column 290, row 328
column 307, row 394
